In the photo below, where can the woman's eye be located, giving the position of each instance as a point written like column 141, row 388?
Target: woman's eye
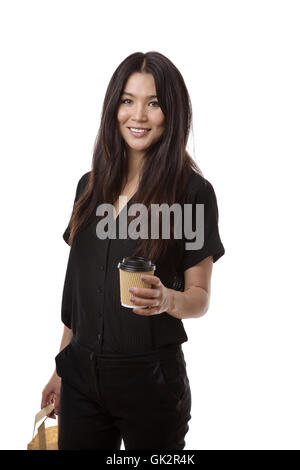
column 127, row 99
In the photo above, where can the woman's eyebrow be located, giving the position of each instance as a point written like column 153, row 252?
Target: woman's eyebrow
column 131, row 94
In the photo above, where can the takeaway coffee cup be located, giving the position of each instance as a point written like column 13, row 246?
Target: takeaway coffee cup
column 130, row 270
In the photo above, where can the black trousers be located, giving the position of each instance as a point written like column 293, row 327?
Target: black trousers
column 144, row 400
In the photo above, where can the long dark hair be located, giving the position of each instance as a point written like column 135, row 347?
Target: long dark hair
column 166, row 164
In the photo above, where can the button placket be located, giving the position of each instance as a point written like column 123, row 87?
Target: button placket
column 101, row 290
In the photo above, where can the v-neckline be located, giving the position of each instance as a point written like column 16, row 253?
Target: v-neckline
column 126, row 205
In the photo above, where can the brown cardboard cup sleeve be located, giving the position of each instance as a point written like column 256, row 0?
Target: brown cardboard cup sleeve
column 131, row 269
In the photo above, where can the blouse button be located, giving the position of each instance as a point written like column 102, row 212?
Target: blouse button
column 101, row 267
column 99, row 290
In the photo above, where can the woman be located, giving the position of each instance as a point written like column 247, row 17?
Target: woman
column 121, row 373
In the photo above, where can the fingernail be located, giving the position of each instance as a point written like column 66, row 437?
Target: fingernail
column 143, row 278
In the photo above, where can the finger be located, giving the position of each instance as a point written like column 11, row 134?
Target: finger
column 148, row 293
column 151, row 279
column 146, row 312
column 141, row 311
column 52, row 415
column 144, row 302
column 45, row 400
column 56, row 405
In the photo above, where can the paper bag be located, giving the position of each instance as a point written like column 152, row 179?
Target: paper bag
column 46, row 438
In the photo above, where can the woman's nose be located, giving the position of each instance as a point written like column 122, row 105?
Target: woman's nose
column 139, row 112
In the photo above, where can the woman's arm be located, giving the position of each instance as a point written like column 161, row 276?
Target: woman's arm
column 66, row 338
column 51, row 392
column 194, row 301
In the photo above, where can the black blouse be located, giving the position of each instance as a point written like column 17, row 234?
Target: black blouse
column 91, row 304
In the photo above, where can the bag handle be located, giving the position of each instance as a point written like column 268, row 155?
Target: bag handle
column 43, row 413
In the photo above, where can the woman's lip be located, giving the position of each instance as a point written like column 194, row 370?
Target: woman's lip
column 145, row 128
column 139, row 134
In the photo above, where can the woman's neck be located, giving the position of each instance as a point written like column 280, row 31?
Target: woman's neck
column 135, row 161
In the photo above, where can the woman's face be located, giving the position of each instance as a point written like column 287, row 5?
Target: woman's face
column 139, row 109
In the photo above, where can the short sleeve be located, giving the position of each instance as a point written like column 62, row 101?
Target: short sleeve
column 79, row 190
column 67, row 296
column 211, row 242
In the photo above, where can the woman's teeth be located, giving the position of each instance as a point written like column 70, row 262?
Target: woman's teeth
column 137, row 130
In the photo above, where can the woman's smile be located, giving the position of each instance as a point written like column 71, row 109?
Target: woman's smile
column 138, row 132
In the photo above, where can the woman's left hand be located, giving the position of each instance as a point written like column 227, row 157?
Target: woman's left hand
column 156, row 299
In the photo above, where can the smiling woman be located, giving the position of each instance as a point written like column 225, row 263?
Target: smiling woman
column 147, row 92
column 121, row 373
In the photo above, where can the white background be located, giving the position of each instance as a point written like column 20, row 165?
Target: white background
column 240, row 62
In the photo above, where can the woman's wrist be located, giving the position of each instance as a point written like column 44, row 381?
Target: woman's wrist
column 55, row 376
column 192, row 303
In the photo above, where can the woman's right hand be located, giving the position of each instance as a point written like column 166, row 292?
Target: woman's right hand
column 51, row 394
